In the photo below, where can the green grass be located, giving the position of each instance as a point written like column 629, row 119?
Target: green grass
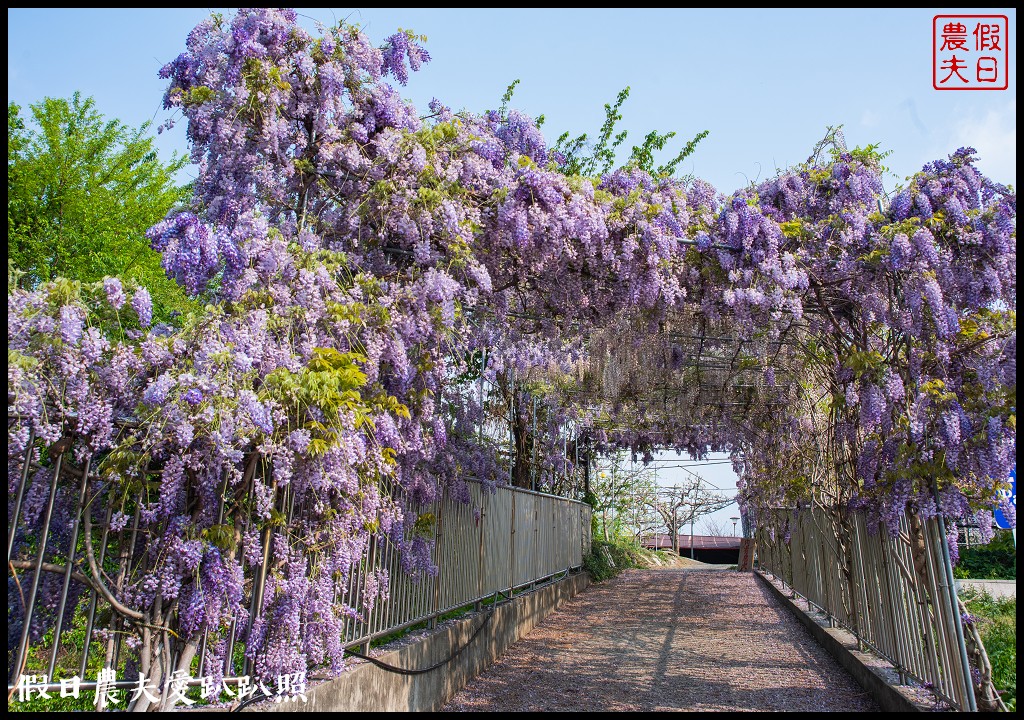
column 72, row 641
column 608, row 559
column 997, row 621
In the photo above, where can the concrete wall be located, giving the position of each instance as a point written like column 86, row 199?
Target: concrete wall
column 366, row 687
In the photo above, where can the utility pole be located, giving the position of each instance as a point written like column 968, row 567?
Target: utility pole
column 691, row 537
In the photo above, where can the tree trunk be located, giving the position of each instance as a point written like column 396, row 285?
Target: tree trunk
column 521, row 440
column 985, row 693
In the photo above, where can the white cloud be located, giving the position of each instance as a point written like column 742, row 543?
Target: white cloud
column 870, row 119
column 994, row 135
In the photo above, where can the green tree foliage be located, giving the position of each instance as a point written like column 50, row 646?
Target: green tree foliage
column 581, row 156
column 620, row 495
column 601, row 156
column 995, row 561
column 81, row 192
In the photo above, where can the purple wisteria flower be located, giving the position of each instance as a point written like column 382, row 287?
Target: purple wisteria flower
column 115, row 292
column 143, row 306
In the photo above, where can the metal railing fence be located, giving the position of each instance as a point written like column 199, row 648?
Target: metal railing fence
column 892, row 593
column 61, row 535
column 497, row 544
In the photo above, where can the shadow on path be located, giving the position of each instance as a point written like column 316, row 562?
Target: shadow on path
column 667, row 640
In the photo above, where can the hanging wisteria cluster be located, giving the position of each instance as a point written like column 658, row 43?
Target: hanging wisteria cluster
column 909, row 326
column 364, row 266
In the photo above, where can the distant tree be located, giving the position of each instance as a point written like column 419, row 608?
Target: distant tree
column 714, row 528
column 682, row 505
column 619, row 493
column 81, row 192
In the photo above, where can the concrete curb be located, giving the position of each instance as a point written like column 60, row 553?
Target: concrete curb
column 367, row 687
column 842, row 645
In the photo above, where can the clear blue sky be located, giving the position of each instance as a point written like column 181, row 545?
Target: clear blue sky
column 766, row 83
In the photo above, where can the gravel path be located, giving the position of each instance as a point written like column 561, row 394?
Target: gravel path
column 667, row 640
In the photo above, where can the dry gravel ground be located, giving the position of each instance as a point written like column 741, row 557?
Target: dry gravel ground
column 667, row 640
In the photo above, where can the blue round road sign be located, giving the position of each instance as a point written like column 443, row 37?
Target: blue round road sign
column 1001, row 520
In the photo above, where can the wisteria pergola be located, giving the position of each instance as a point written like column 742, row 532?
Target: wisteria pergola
column 368, row 269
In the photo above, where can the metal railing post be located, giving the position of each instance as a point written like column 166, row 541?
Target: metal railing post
column 953, row 611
